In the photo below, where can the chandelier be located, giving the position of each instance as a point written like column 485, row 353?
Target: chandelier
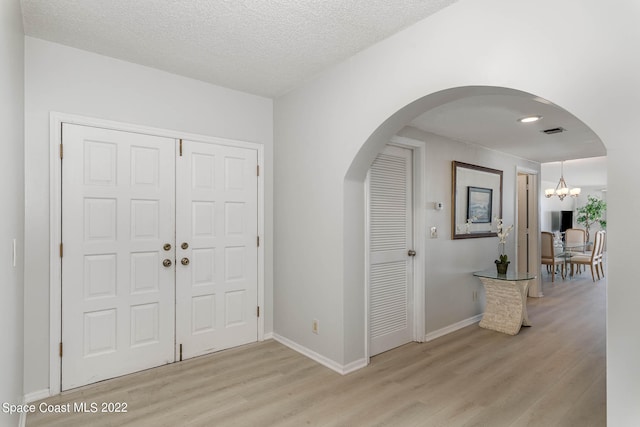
column 561, row 190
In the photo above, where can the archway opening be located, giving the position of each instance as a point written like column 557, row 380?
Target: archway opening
column 404, row 122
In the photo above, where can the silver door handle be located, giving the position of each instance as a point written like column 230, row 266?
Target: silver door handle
column 411, row 252
column 167, row 262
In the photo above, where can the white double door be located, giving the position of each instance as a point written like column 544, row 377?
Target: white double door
column 159, row 254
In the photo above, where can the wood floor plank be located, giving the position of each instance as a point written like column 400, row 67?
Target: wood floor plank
column 552, row 373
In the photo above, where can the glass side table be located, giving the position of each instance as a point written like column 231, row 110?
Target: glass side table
column 506, row 300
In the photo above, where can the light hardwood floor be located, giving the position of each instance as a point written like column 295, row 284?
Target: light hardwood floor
column 551, row 374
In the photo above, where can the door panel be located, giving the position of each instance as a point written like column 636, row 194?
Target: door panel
column 216, row 294
column 523, row 224
column 390, row 239
column 118, row 212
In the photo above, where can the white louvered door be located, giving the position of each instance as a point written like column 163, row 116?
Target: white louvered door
column 390, row 240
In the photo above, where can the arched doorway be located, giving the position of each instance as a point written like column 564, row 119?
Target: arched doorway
column 437, row 322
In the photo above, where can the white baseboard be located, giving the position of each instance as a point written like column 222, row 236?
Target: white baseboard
column 354, row 366
column 37, row 395
column 452, row 328
column 325, row 361
column 267, row 336
column 30, row 398
column 361, row 363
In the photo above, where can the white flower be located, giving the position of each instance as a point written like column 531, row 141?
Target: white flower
column 469, row 222
column 503, row 233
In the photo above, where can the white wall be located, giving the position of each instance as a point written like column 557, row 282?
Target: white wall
column 328, row 132
column 449, row 285
column 12, row 206
column 68, row 80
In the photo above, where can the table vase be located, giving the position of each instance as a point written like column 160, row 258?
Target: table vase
column 502, row 267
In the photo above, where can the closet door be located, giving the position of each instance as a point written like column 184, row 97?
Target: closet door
column 391, row 254
column 216, row 248
column 117, row 284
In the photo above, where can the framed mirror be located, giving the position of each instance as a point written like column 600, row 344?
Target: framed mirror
column 476, row 194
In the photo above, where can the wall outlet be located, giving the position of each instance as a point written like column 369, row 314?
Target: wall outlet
column 315, row 326
column 434, row 233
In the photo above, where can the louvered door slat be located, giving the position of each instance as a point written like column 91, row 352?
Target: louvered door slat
column 389, row 240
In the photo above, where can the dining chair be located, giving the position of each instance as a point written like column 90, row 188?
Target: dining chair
column 603, row 242
column 575, row 237
column 548, row 257
column 592, row 259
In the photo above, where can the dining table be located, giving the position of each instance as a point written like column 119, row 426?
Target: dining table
column 567, row 251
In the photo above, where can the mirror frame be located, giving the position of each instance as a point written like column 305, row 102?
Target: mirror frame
column 459, row 198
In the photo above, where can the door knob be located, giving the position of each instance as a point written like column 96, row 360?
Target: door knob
column 411, row 252
column 184, row 245
column 167, row 262
column 167, row 246
column 184, row 261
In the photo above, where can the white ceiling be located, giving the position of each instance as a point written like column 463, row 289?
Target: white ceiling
column 591, row 172
column 264, row 47
column 491, row 120
column 269, row 47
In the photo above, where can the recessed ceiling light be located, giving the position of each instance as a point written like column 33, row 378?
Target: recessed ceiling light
column 529, row 119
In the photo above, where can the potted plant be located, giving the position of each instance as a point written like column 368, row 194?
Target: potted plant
column 502, row 263
column 591, row 213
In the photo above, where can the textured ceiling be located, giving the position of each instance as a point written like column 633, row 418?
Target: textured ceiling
column 269, row 47
column 264, row 47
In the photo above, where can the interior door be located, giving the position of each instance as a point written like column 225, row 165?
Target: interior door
column 217, row 248
column 523, row 223
column 527, row 227
column 390, row 243
column 117, row 215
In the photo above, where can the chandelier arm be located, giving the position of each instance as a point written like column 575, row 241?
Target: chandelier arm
column 562, row 189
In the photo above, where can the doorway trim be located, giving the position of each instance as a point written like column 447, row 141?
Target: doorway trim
column 55, row 219
column 534, row 225
column 419, row 234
